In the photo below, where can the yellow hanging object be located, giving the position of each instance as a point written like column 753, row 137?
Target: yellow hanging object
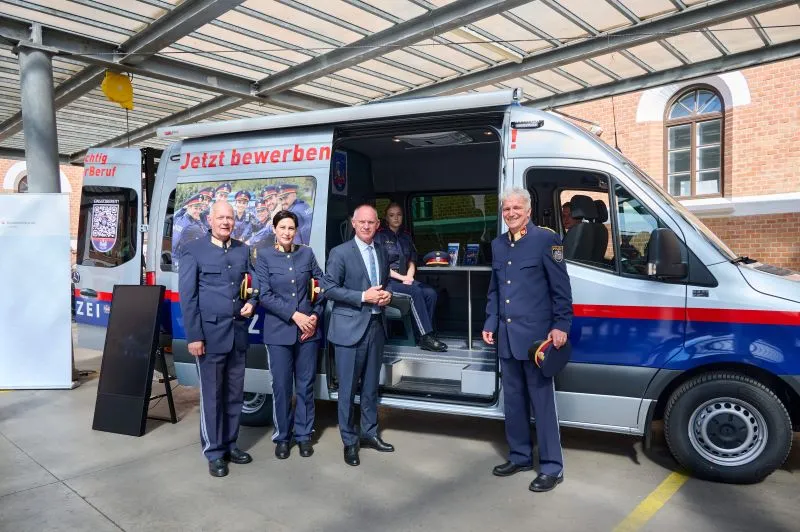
column 118, row 89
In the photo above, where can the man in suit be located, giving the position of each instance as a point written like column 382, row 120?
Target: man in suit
column 215, row 319
column 355, row 275
column 529, row 299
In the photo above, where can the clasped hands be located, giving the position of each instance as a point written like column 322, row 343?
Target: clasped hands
column 376, row 295
column 307, row 324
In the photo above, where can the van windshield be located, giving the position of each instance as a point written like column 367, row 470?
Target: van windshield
column 684, row 213
column 107, row 226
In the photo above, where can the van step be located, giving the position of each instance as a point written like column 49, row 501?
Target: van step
column 423, row 385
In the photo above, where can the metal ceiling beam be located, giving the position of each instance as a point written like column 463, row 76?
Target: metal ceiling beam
column 174, row 25
column 726, row 63
column 646, row 32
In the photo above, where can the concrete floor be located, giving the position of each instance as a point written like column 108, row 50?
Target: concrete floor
column 56, row 473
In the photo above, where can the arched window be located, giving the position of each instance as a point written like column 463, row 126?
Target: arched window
column 694, row 126
column 22, row 185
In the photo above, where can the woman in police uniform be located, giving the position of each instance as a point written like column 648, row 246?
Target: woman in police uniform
column 402, row 267
column 291, row 331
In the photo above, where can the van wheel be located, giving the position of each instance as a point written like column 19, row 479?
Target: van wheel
column 256, row 410
column 727, row 427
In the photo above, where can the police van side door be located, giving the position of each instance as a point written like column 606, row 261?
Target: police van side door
column 109, row 248
column 626, row 324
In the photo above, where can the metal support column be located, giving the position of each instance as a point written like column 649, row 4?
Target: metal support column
column 39, row 118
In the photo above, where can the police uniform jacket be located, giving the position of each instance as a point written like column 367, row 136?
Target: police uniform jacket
column 243, row 227
column 529, row 292
column 210, row 278
column 304, row 212
column 283, row 280
column 400, row 249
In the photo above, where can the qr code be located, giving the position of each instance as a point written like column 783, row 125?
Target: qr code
column 104, row 220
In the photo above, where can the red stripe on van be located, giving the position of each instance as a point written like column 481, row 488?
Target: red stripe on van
column 101, row 296
column 629, row 312
column 763, row 317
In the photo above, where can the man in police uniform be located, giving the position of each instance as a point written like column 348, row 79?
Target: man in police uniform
column 287, row 194
column 187, row 225
column 215, row 319
column 529, row 299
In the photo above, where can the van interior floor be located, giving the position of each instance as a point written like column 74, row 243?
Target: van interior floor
column 458, row 371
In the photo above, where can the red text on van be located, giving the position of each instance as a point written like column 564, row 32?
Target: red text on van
column 243, row 157
column 100, row 171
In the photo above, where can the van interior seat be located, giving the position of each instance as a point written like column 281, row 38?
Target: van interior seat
column 601, row 232
column 579, row 240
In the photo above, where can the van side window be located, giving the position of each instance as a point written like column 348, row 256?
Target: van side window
column 166, row 237
column 464, row 219
column 636, row 223
column 107, row 226
column 586, row 228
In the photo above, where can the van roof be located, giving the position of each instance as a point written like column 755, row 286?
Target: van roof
column 415, row 106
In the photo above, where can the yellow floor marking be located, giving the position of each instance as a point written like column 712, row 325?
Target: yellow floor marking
column 652, row 503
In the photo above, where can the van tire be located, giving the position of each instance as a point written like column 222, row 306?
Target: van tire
column 725, row 411
column 256, row 410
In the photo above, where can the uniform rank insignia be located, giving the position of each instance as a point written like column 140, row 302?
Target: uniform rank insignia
column 558, row 253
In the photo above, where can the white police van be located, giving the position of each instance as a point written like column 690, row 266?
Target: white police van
column 669, row 323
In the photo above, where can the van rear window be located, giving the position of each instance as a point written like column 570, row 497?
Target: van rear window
column 107, row 226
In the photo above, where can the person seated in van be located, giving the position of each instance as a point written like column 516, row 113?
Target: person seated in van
column 566, row 216
column 292, row 332
column 402, row 267
column 243, row 219
column 287, row 195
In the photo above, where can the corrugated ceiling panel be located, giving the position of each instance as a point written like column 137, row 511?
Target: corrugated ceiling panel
column 401, row 9
column 92, row 14
column 490, row 55
column 781, row 17
column 507, row 30
column 549, row 21
column 143, row 9
column 600, row 15
column 420, row 64
column 619, row 64
column 372, row 80
column 645, row 9
column 530, row 90
column 588, row 74
column 352, row 14
column 390, row 70
column 450, row 55
column 55, row 21
column 297, row 40
column 330, row 95
column 557, row 81
column 737, row 36
column 695, row 46
column 304, row 20
column 655, row 55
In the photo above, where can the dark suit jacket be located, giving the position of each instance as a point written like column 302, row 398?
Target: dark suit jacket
column 209, row 281
column 346, row 277
column 283, row 279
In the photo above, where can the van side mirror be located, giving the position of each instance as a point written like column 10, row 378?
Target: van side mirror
column 664, row 257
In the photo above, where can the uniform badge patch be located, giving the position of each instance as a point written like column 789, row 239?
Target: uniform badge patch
column 558, row 253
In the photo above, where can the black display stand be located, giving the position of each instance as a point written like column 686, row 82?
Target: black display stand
column 129, row 357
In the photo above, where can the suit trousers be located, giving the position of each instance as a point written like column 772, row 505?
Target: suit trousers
column 524, row 387
column 290, row 363
column 360, row 361
column 221, row 396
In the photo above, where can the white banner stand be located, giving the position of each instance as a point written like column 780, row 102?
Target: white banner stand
column 35, row 314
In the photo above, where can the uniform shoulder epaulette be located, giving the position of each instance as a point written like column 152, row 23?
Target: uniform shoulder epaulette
column 545, row 227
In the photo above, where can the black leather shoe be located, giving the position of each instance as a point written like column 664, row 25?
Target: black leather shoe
column 378, row 444
column 282, row 450
column 351, row 455
column 238, row 456
column 509, row 468
column 429, row 343
column 545, row 482
column 306, row 449
column 218, row 467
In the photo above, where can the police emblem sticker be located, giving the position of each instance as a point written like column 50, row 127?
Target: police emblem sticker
column 105, row 220
column 558, row 253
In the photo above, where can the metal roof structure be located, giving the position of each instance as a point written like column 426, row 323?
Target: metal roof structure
column 204, row 60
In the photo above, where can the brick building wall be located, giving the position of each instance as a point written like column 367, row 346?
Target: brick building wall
column 761, row 154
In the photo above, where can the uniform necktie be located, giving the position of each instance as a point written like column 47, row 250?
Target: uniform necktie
column 373, row 270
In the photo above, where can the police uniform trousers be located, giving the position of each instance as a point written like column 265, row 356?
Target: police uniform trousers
column 524, row 387
column 221, row 396
column 361, row 361
column 298, row 360
column 423, row 302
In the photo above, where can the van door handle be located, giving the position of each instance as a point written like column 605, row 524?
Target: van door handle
column 88, row 292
